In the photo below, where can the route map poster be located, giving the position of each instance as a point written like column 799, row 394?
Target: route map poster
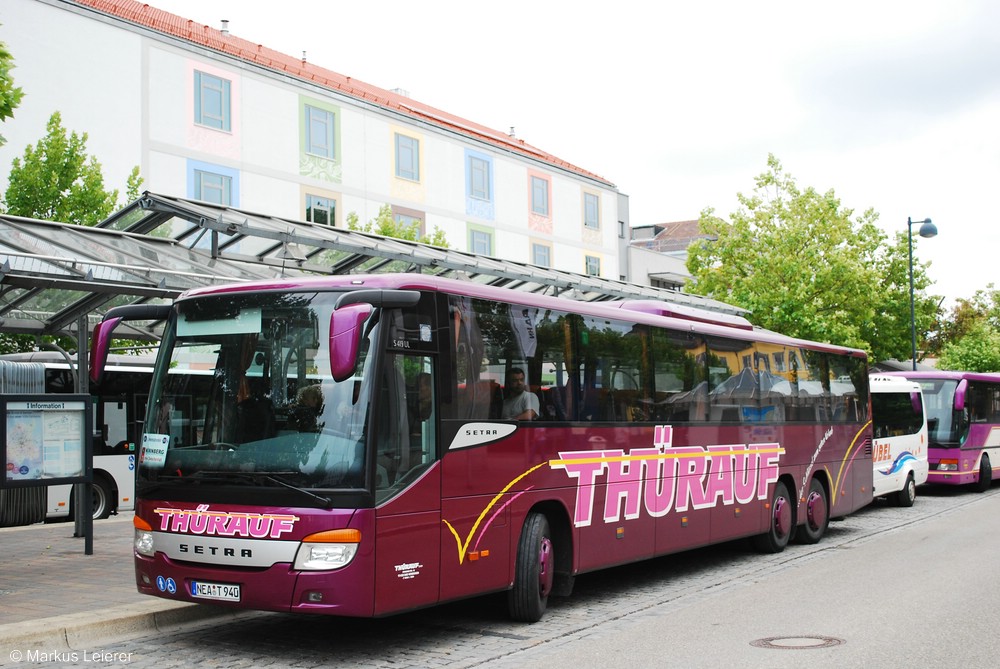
column 45, row 439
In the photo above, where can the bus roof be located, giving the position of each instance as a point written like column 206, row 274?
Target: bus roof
column 638, row 311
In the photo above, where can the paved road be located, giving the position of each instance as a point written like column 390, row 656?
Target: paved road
column 703, row 608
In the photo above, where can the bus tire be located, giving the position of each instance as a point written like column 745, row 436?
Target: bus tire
column 782, row 522
column 908, row 494
column 534, row 571
column 817, row 514
column 101, row 493
column 985, row 475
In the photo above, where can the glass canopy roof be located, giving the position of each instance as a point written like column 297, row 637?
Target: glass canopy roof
column 57, row 278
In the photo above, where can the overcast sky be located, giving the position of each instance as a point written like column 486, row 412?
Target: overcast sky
column 893, row 105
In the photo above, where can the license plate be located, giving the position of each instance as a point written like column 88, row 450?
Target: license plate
column 222, row 591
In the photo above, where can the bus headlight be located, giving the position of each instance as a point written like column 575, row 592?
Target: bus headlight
column 143, row 542
column 948, row 466
column 327, row 550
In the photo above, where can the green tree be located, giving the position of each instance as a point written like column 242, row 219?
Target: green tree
column 977, row 351
column 10, row 95
column 803, row 265
column 56, row 180
column 969, row 338
column 386, row 225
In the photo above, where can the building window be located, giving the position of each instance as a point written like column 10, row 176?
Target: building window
column 211, row 101
column 212, row 187
column 593, row 266
column 541, row 255
column 321, row 210
column 481, row 242
column 407, row 157
column 540, row 196
column 479, row 179
column 591, row 211
column 621, row 229
column 320, row 132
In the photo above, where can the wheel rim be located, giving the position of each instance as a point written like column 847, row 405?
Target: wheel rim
column 782, row 517
column 546, row 567
column 99, row 500
column 816, row 510
column 911, row 489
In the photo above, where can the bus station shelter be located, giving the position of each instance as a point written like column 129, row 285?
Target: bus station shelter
column 60, row 278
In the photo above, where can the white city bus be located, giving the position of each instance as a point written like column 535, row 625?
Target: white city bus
column 899, row 447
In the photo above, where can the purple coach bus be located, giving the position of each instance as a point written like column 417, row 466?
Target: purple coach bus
column 963, row 424
column 369, row 445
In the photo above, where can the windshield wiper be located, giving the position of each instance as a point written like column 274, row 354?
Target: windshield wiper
column 257, row 477
column 273, row 477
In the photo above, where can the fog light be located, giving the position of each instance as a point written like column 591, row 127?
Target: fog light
column 314, row 597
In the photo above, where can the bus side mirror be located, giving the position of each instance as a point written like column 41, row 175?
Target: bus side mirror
column 100, row 344
column 345, row 338
column 960, row 391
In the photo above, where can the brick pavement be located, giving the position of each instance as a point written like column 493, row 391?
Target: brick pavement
column 51, row 592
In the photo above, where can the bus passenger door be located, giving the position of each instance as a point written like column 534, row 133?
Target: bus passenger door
column 407, row 487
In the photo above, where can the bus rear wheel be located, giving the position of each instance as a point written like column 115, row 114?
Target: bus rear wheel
column 985, row 475
column 817, row 514
column 782, row 522
column 908, row 494
column 534, row 570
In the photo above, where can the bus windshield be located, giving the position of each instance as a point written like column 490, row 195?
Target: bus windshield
column 243, row 397
column 942, row 426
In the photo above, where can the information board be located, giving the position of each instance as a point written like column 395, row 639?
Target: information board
column 46, row 439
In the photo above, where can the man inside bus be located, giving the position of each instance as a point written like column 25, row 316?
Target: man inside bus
column 518, row 402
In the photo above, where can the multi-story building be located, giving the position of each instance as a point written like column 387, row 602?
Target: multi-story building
column 657, row 254
column 208, row 115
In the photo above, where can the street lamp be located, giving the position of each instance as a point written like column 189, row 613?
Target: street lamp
column 927, row 230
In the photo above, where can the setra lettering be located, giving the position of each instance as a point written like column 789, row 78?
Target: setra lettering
column 198, row 549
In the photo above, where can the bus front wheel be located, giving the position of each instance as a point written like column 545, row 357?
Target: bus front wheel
column 908, row 494
column 534, row 570
column 782, row 522
column 985, row 475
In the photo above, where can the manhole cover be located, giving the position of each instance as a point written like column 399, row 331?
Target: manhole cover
column 797, row 642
